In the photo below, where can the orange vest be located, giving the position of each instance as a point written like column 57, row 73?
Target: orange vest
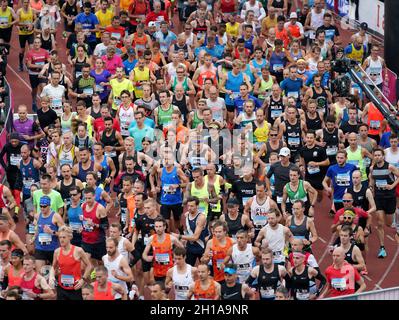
column 374, row 120
column 295, row 30
column 14, row 280
column 163, row 260
column 207, row 294
column 103, row 295
column 218, row 255
column 283, row 35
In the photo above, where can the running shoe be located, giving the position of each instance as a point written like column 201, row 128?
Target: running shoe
column 382, row 253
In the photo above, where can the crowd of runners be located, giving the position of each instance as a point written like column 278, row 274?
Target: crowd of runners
column 179, row 150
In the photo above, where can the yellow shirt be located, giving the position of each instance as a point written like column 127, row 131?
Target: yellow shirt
column 140, row 76
column 117, row 87
column 5, row 18
column 24, row 19
column 232, row 29
column 104, row 19
column 268, row 23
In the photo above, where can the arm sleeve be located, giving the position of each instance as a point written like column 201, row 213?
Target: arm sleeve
column 104, row 224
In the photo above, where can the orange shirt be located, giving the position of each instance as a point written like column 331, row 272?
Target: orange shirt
column 283, row 35
column 207, row 294
column 103, row 295
column 163, row 260
column 374, row 120
column 218, row 255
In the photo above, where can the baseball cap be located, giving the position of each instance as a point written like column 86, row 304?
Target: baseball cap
column 230, row 270
column 14, row 136
column 45, row 201
column 285, row 152
column 151, row 24
column 364, row 26
column 293, row 15
column 131, row 51
column 232, row 202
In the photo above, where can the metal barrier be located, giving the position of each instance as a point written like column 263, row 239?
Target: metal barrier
column 8, row 120
column 383, row 294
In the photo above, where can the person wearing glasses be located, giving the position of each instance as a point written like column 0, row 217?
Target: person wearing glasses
column 47, row 223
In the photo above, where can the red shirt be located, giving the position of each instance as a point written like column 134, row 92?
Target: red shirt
column 99, row 127
column 160, row 16
column 360, row 213
column 342, row 281
column 118, row 33
column 37, row 57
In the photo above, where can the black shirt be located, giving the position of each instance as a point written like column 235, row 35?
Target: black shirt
column 330, row 31
column 244, row 190
column 316, row 154
column 46, row 118
column 281, row 176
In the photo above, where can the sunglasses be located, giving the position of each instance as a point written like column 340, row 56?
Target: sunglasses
column 41, row 206
column 73, row 194
column 347, row 218
column 347, row 200
column 273, row 135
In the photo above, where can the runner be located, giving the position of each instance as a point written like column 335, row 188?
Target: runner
column 232, row 289
column 205, row 288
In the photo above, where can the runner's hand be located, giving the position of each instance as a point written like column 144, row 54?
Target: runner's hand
column 79, row 284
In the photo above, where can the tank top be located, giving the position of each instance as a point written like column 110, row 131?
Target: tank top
column 124, row 209
column 233, row 83
column 204, row 294
column 64, row 191
column 82, row 173
column 200, row 29
column 332, row 141
column 140, row 76
column 245, row 261
column 276, row 241
column 29, row 285
column 47, row 44
column 110, row 141
column 74, row 215
column 315, row 123
column 165, row 116
column 292, row 135
column 248, row 43
column 348, row 255
column 227, row 6
column 15, row 280
column 170, row 196
column 115, row 266
column 316, row 21
column 299, row 194
column 299, row 231
column 79, row 65
column 391, row 157
column 261, row 134
column 356, row 54
column 45, row 241
column 196, row 120
column 282, row 35
column 103, row 295
column 359, row 197
column 66, row 156
column 70, row 269
column 125, row 118
column 265, row 87
column 141, row 43
column 66, row 124
column 25, row 18
column 182, row 282
column 269, row 150
column 218, row 255
column 382, row 177
column 321, row 100
column 231, row 293
column 206, row 74
column 259, row 212
column 296, row 56
column 36, row 5
column 232, row 29
column 233, row 225
column 268, row 282
column 259, row 66
column 184, row 84
column 95, row 115
column 356, row 158
column 198, row 246
column 162, row 252
column 6, row 18
column 215, row 207
column 300, row 284
column 201, row 193
column 90, row 234
column 30, row 175
column 182, row 105
column 121, row 248
column 275, row 110
column 374, row 71
column 71, row 10
column 374, row 120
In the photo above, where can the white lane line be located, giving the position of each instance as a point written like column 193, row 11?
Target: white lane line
column 367, row 277
column 378, row 287
column 390, row 238
column 322, row 240
column 389, row 267
column 19, row 77
column 327, row 249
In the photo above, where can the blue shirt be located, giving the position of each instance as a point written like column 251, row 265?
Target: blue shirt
column 88, row 22
column 147, row 122
column 129, row 66
column 325, row 79
column 139, row 134
column 165, row 40
column 341, row 179
column 292, row 87
column 239, row 102
column 215, row 52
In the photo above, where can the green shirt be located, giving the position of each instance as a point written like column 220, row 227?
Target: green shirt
column 55, row 196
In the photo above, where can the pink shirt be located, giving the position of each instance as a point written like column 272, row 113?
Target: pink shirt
column 112, row 64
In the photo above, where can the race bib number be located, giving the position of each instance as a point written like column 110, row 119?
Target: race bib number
column 277, row 67
column 375, row 124
column 245, row 200
column 123, row 215
column 331, row 150
column 15, row 159
column 31, row 228
column 278, row 257
column 86, row 226
column 88, row 91
column 293, row 94
column 75, row 226
column 276, row 113
column 259, row 221
column 354, row 162
column 294, row 141
column 267, row 293
column 338, row 283
column 302, row 294
column 381, row 183
column 67, row 280
column 162, row 258
column 219, row 263
column 99, row 88
column 45, row 238
column 111, row 154
column 167, row 188
column 313, row 170
column 343, row 179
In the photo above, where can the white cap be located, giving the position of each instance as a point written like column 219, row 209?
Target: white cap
column 285, row 152
column 293, row 15
column 151, row 24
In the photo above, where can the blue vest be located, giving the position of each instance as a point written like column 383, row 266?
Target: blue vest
column 45, row 241
column 170, row 197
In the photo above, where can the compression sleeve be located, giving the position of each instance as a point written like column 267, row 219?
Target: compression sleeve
column 4, row 283
column 104, row 224
column 250, row 280
column 322, row 280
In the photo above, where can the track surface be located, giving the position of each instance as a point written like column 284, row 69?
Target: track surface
column 383, row 273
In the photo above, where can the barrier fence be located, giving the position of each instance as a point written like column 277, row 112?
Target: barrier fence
column 383, row 294
column 6, row 120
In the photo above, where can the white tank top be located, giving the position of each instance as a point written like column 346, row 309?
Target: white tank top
column 125, row 116
column 392, row 158
column 276, row 241
column 255, row 8
column 316, row 21
column 259, row 212
column 245, row 261
column 182, row 282
column 121, row 248
column 374, row 71
column 115, row 265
